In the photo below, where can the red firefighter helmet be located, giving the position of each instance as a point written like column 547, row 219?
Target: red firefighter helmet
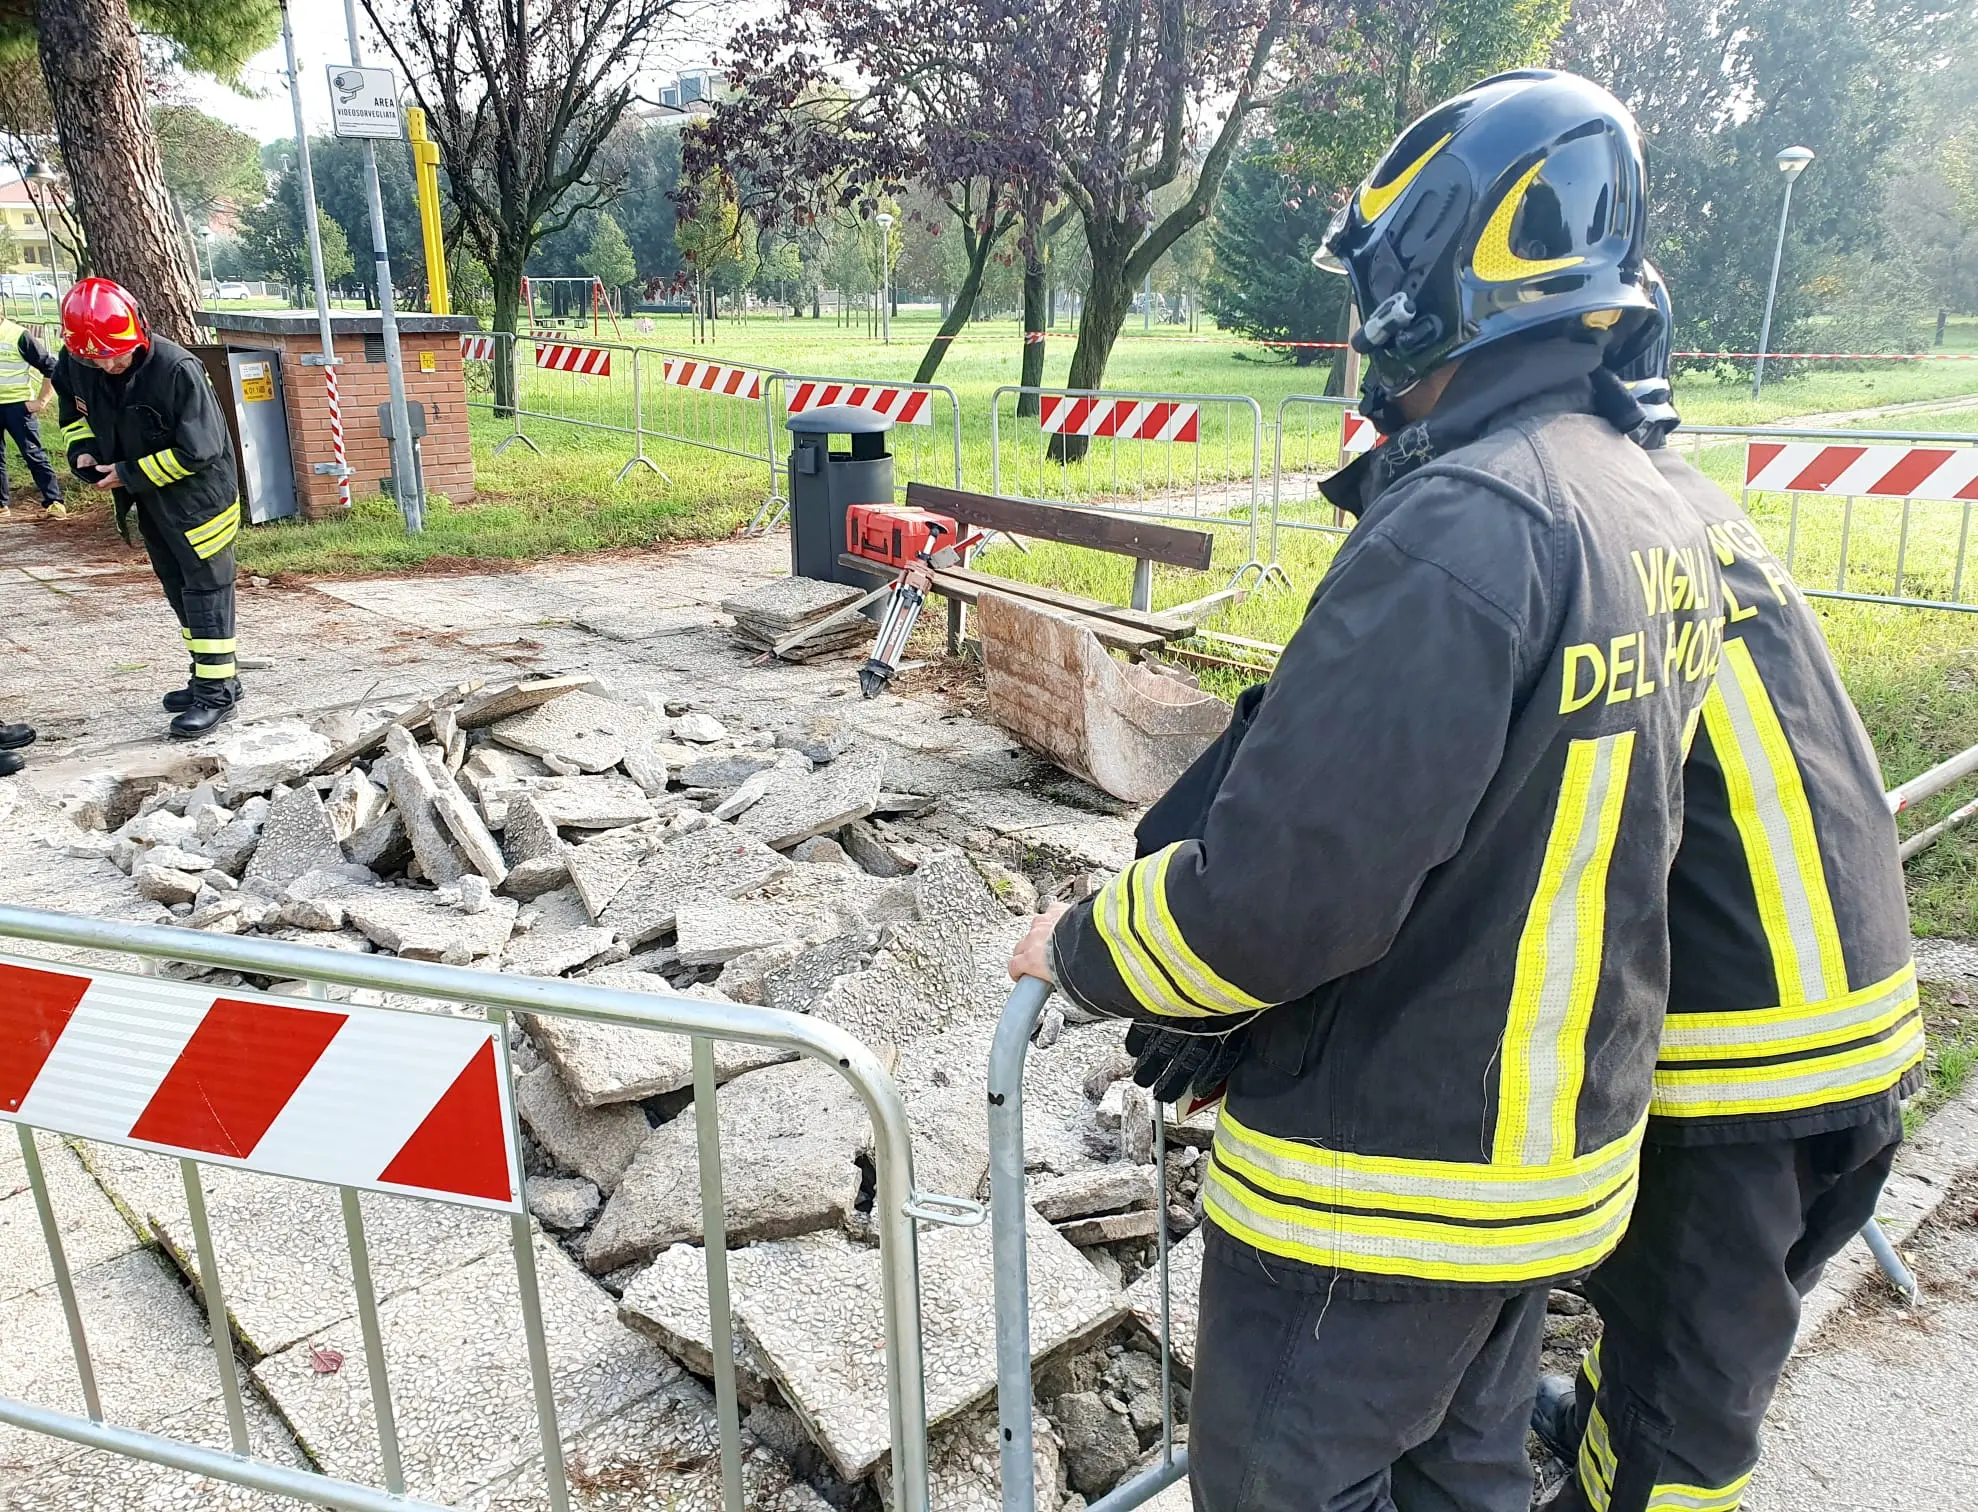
column 101, row 319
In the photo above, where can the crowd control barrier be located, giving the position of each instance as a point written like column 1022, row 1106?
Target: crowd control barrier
column 925, row 441
column 380, row 1099
column 1315, row 436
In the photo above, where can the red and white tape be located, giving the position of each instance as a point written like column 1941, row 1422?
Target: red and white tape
column 901, row 406
column 1126, row 419
column 476, row 348
column 715, row 378
column 1886, row 472
column 385, row 1100
column 593, row 362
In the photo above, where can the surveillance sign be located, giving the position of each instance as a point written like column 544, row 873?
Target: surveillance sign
column 364, row 103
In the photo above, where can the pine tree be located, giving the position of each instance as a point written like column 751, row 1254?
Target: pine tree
column 609, row 258
column 1266, row 228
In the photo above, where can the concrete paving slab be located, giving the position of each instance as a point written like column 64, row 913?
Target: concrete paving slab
column 598, row 1144
column 460, row 1376
column 601, row 867
column 719, row 862
column 964, row 1466
column 667, row 1302
column 91, row 1228
column 818, row 1325
column 1184, row 1292
column 582, row 729
column 147, row 1340
column 90, row 1480
column 1071, row 836
column 801, row 804
column 283, row 1256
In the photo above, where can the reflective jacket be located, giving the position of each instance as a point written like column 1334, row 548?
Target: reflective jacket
column 161, row 426
column 1792, row 998
column 23, row 362
column 1436, row 872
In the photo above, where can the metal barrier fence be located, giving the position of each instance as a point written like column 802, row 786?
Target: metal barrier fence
column 925, row 441
column 1195, row 458
column 1310, row 444
column 1008, row 1217
column 1877, row 517
column 102, row 1042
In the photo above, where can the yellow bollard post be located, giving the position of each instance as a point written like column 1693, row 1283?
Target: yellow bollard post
column 426, row 179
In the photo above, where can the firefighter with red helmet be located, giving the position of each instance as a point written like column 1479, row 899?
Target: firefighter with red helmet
column 141, row 421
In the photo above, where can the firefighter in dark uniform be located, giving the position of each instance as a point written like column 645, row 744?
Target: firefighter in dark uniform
column 1792, row 1037
column 1433, row 878
column 141, row 421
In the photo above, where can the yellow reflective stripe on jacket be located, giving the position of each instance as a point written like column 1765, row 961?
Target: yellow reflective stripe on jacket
column 164, row 468
column 1773, row 1032
column 78, row 430
column 1435, row 1219
column 1769, row 806
column 17, row 374
column 1597, row 1467
column 1147, row 947
column 218, row 670
column 1792, row 1085
column 1559, row 955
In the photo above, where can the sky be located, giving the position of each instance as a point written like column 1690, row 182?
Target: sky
column 320, row 40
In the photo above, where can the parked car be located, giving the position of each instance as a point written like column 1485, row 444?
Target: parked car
column 234, row 291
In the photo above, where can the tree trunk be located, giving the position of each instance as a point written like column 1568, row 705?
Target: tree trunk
column 1032, row 375
column 507, row 306
column 1942, row 317
column 959, row 310
column 1107, row 298
column 95, row 76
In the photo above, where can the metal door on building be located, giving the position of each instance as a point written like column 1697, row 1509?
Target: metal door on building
column 267, row 467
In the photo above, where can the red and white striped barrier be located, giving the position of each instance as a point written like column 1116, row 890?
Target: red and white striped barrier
column 1357, row 435
column 385, row 1100
column 1887, row 472
column 560, row 357
column 336, row 436
column 476, row 348
column 901, row 406
column 715, row 378
column 1126, row 419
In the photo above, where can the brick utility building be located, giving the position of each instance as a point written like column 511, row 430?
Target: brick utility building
column 434, row 380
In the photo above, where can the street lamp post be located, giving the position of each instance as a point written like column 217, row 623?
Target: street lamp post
column 206, row 236
column 1792, row 163
column 39, row 172
column 885, row 277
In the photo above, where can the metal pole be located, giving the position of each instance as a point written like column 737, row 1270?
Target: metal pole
column 886, row 284
column 1772, row 293
column 405, row 472
column 1007, row 1217
column 328, row 360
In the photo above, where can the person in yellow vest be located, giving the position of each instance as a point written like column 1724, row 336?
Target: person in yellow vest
column 22, row 356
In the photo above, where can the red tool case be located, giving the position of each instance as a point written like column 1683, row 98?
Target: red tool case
column 894, row 536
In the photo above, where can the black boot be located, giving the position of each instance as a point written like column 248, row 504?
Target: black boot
column 1555, row 1418
column 11, row 762
column 13, row 737
column 213, row 703
column 178, row 700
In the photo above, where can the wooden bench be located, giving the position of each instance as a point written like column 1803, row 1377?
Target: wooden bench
column 1133, row 628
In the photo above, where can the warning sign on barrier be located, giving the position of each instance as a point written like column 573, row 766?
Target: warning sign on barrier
column 1126, row 419
column 561, row 357
column 715, row 378
column 901, row 406
column 381, row 1099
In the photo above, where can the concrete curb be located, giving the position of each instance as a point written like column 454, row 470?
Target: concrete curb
column 1942, row 1151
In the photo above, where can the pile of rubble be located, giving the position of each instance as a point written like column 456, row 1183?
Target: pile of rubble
column 557, row 828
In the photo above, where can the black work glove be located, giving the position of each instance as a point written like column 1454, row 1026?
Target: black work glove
column 1171, row 1064
column 124, row 506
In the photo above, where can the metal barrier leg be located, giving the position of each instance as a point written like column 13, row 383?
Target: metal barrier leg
column 1143, row 585
column 64, row 1282
column 1898, row 1274
column 714, row 1240
column 374, row 1340
column 539, row 1372
column 639, row 428
column 216, row 1305
column 1008, row 1218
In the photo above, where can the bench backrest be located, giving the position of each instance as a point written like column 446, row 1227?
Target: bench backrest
column 1146, row 540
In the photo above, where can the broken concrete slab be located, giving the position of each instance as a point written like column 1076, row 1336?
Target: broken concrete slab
column 296, row 839
column 589, row 732
column 535, row 854
column 409, row 923
column 597, row 1143
column 413, row 794
column 497, row 703
column 699, row 729
column 818, row 1324
column 918, row 980
column 254, row 758
column 354, row 801
column 873, row 847
column 588, row 803
column 712, row 863
column 715, row 932
column 1086, row 1194
column 724, row 770
column 743, row 798
column 801, row 804
column 382, row 845
column 552, row 952
column 563, row 1202
column 161, row 884
column 964, row 1471
column 800, row 980
column 1112, row 1228
column 466, row 1327
column 604, row 1064
column 791, row 1139
column 1070, row 838
column 1184, row 1297
column 947, row 889
column 667, row 1302
column 497, row 765
column 950, row 1140
column 470, row 835
column 600, row 868
column 821, row 738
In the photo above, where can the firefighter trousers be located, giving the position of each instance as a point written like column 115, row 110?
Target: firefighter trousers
column 1308, row 1398
column 200, row 590
column 1699, row 1306
column 15, row 421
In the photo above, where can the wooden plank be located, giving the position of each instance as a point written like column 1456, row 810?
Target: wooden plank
column 1121, row 534
column 1135, row 643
